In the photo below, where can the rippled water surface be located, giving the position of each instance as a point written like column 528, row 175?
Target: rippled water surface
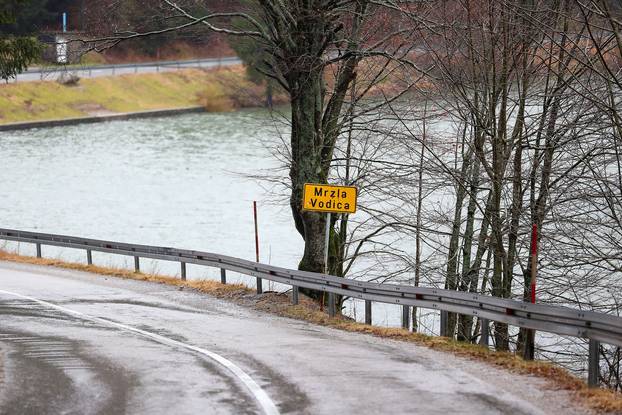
column 178, row 181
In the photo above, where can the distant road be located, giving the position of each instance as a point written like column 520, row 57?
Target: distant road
column 72, row 342
column 51, row 73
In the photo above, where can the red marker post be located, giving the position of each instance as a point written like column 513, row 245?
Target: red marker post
column 259, row 282
column 530, row 341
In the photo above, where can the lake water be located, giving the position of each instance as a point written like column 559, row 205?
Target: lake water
column 168, row 181
column 180, row 181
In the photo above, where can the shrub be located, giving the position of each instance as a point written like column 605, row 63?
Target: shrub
column 214, row 99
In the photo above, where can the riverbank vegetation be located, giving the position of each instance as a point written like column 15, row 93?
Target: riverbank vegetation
column 222, row 89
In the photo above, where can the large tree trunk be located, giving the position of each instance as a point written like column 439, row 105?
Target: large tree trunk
column 306, row 166
column 316, row 126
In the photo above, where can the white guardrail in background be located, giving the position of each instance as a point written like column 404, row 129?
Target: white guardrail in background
column 40, row 73
column 596, row 327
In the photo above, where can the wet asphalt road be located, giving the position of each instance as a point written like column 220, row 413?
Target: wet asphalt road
column 85, row 344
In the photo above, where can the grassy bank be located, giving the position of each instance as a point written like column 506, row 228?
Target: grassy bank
column 217, row 90
column 600, row 400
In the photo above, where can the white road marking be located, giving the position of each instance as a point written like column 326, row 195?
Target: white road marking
column 260, row 395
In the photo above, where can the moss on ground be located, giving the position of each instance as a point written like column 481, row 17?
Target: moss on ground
column 601, row 400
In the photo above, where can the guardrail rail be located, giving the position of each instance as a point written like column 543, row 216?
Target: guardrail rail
column 87, row 70
column 596, row 327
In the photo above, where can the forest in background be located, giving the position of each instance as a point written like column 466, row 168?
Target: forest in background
column 94, row 18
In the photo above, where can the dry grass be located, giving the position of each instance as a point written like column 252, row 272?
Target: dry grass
column 601, row 400
column 206, row 286
column 218, row 90
column 214, row 98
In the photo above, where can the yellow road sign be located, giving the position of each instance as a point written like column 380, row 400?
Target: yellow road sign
column 326, row 198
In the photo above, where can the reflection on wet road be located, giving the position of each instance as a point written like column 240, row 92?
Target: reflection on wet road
column 266, row 404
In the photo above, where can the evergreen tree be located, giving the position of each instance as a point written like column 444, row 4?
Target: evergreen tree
column 17, row 48
column 256, row 57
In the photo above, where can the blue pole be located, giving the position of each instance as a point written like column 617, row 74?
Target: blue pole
column 64, row 22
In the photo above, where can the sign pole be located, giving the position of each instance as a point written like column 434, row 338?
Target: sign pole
column 534, row 261
column 326, row 242
column 331, row 296
column 259, row 287
column 329, row 199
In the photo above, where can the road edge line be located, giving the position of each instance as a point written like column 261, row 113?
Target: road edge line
column 265, row 402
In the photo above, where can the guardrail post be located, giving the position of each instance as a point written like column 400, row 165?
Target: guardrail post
column 444, row 318
column 368, row 312
column 484, row 337
column 593, row 364
column 183, row 271
column 223, row 276
column 294, row 295
column 38, row 250
column 331, row 305
column 136, row 264
column 89, row 257
column 405, row 317
column 529, row 352
column 259, row 286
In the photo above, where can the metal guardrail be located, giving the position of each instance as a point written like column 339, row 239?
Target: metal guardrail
column 596, row 327
column 177, row 63
column 88, row 71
